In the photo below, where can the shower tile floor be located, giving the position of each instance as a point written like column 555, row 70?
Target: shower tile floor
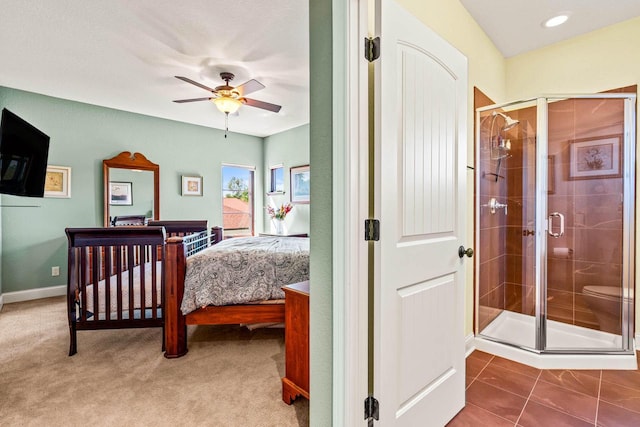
column 505, row 393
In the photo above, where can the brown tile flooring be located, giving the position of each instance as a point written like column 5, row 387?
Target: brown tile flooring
column 505, row 393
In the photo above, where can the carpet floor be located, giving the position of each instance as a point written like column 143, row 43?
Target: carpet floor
column 230, row 377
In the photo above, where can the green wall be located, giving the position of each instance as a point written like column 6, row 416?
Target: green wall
column 82, row 135
column 289, row 148
column 321, row 28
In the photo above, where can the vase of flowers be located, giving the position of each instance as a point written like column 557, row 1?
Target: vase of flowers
column 278, row 216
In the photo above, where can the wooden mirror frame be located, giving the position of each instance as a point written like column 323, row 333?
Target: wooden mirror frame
column 126, row 160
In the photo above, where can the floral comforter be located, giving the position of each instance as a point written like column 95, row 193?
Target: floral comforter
column 243, row 270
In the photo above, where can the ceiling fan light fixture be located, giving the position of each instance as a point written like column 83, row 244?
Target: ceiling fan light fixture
column 556, row 20
column 227, row 104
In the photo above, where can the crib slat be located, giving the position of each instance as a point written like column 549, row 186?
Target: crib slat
column 154, row 281
column 107, row 281
column 96, row 283
column 142, row 285
column 101, row 263
column 72, row 289
column 89, row 266
column 84, row 267
column 130, row 266
column 84, row 260
column 118, row 272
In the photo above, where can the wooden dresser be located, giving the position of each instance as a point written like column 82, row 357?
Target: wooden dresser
column 296, row 340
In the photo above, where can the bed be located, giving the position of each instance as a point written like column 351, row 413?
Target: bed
column 116, row 275
column 202, row 287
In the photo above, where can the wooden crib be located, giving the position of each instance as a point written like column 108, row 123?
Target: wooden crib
column 116, row 275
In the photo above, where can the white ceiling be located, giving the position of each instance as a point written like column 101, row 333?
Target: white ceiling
column 515, row 26
column 124, row 54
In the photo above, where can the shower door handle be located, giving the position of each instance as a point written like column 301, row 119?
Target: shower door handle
column 550, row 230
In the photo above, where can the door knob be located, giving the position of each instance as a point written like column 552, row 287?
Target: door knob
column 462, row 252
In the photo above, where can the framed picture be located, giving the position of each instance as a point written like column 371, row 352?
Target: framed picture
column 595, row 157
column 57, row 182
column 300, row 180
column 120, row 193
column 191, row 185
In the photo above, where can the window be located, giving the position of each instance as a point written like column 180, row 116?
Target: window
column 276, row 179
column 237, row 200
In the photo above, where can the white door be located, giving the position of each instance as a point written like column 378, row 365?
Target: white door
column 420, row 185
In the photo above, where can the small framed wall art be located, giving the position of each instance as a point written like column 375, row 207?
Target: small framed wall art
column 191, row 185
column 595, row 157
column 300, row 180
column 58, row 182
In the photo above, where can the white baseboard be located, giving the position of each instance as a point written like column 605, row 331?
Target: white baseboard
column 1, row 301
column 469, row 344
column 31, row 294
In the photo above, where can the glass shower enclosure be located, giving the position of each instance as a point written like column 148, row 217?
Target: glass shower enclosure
column 555, row 199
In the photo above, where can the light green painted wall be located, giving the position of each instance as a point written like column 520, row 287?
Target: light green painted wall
column 82, row 136
column 321, row 18
column 289, row 148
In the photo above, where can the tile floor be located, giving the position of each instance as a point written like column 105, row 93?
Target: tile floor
column 505, row 393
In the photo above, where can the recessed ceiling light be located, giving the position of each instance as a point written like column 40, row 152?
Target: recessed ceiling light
column 555, row 21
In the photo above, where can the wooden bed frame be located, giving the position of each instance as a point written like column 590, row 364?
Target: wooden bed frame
column 175, row 330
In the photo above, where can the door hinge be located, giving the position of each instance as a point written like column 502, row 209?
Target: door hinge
column 371, row 48
column 371, row 230
column 371, row 408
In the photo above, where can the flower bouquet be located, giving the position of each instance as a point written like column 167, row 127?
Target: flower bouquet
column 280, row 213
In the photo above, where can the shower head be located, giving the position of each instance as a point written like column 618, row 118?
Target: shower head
column 508, row 121
column 500, row 147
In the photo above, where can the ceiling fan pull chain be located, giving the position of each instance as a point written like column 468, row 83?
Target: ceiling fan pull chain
column 226, row 124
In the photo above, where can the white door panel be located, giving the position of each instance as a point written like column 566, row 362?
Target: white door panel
column 426, row 179
column 420, row 196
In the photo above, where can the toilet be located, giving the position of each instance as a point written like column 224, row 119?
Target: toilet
column 605, row 302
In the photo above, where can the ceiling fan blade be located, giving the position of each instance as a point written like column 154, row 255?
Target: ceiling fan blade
column 193, row 100
column 249, row 87
column 188, row 80
column 261, row 104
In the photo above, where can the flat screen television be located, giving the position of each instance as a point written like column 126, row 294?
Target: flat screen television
column 23, row 157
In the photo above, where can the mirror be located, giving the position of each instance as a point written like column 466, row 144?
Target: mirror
column 131, row 188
